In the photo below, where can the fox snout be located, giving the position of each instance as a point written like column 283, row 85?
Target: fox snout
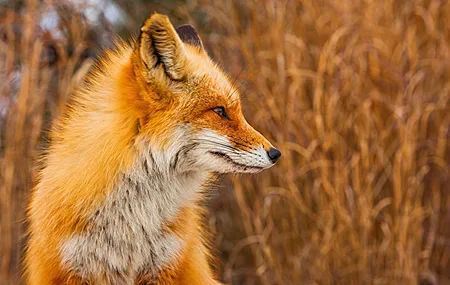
column 273, row 154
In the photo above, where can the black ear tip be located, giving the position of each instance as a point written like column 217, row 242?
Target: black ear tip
column 189, row 35
column 186, row 28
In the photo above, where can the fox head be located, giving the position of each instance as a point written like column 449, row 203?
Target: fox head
column 189, row 109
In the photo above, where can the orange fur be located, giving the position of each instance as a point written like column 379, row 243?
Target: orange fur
column 74, row 188
column 93, row 143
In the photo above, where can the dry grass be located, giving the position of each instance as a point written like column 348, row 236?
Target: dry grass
column 37, row 72
column 354, row 93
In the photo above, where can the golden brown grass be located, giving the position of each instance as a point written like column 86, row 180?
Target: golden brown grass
column 354, row 93
column 37, row 73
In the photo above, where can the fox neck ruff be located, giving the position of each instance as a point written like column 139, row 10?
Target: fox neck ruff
column 128, row 235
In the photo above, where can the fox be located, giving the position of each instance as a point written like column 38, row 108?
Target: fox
column 119, row 195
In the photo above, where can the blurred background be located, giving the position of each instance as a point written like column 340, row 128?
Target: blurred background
column 354, row 93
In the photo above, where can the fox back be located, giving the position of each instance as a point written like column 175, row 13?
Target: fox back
column 117, row 200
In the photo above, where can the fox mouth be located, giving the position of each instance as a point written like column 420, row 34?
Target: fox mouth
column 240, row 166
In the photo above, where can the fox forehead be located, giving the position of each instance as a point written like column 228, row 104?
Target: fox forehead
column 207, row 81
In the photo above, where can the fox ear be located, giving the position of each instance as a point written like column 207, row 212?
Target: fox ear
column 189, row 35
column 159, row 43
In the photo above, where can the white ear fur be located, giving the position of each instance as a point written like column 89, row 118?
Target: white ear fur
column 159, row 43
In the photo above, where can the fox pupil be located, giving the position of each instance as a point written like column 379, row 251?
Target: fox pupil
column 221, row 112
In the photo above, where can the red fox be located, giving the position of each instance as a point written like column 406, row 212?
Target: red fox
column 117, row 200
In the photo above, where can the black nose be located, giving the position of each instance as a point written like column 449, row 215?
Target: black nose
column 274, row 154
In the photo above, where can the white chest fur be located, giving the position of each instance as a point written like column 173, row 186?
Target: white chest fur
column 125, row 236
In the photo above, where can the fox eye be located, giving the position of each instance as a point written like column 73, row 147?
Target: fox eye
column 221, row 112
